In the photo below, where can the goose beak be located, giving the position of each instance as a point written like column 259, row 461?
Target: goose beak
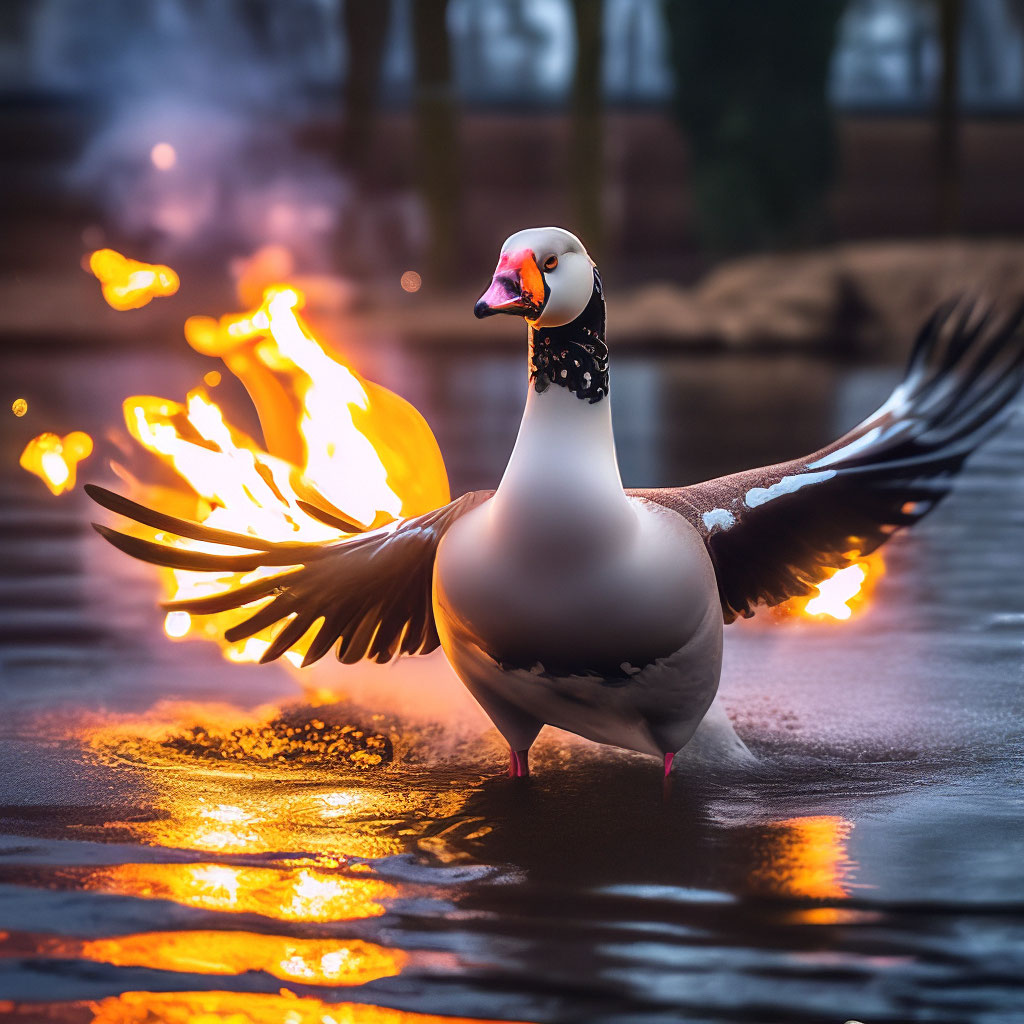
column 518, row 287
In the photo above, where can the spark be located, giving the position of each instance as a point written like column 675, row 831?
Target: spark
column 55, row 459
column 128, row 283
column 177, row 624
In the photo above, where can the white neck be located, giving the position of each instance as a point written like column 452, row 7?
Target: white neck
column 562, row 483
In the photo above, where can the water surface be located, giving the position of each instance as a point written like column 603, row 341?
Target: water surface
column 184, row 839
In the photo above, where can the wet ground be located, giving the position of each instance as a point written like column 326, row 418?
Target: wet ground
column 189, row 840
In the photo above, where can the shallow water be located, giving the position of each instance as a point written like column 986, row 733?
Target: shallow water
column 870, row 869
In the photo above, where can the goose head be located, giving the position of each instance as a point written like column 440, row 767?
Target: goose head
column 543, row 275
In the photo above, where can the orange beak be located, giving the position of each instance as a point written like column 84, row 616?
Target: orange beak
column 517, row 287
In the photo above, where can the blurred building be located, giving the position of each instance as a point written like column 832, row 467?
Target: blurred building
column 470, row 123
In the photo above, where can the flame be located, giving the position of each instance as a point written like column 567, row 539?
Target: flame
column 834, row 592
column 129, row 284
column 845, row 588
column 330, row 435
column 55, row 459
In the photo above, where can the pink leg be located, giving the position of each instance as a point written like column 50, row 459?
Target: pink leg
column 666, row 781
column 518, row 763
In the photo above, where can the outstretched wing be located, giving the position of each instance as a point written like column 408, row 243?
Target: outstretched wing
column 372, row 591
column 774, row 533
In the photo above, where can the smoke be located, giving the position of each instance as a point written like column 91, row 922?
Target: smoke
column 237, row 181
column 222, row 85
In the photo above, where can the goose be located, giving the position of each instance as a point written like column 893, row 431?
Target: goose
column 562, row 598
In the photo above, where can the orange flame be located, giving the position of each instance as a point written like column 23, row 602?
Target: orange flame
column 55, row 459
column 845, row 589
column 330, row 435
column 129, row 284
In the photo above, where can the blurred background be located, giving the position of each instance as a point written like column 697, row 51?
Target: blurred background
column 676, row 138
column 800, row 177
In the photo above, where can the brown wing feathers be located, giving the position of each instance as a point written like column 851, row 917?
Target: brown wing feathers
column 371, row 592
column 774, row 533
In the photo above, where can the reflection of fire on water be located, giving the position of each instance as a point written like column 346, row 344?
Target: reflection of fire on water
column 311, row 894
column 253, row 1008
column 309, row 961
column 232, row 829
column 806, row 859
column 291, row 788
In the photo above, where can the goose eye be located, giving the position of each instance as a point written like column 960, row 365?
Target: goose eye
column 551, row 262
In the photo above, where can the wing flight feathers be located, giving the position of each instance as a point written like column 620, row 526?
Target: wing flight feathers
column 775, row 532
column 370, row 592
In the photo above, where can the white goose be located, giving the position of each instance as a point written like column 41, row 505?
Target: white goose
column 562, row 599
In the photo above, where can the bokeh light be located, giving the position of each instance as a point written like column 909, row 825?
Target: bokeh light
column 163, row 156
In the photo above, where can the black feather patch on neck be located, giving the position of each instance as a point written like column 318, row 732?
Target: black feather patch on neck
column 574, row 356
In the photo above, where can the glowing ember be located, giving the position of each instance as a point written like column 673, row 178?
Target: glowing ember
column 19, row 407
column 163, row 156
column 212, row 378
column 129, row 284
column 177, row 624
column 55, row 459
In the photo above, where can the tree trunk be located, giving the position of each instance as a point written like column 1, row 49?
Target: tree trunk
column 947, row 118
column 586, row 149
column 436, row 136
column 366, row 29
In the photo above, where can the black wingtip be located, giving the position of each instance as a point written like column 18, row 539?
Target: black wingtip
column 169, row 524
column 334, row 520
